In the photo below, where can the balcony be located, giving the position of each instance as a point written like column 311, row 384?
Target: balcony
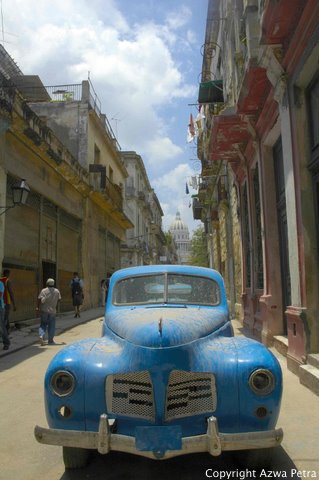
column 103, row 184
column 254, row 89
column 7, row 92
column 202, row 189
column 114, row 192
column 278, row 20
column 229, row 134
column 253, row 84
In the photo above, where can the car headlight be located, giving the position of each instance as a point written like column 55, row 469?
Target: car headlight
column 262, row 381
column 62, row 383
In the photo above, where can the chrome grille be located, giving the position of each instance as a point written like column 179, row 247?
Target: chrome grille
column 190, row 394
column 130, row 394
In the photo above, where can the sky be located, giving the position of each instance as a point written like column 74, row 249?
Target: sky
column 144, row 60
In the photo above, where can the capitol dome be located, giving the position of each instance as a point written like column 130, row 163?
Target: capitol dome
column 178, row 224
column 180, row 233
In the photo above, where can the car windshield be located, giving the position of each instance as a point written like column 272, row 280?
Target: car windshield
column 166, row 288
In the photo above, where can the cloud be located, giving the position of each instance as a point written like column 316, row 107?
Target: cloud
column 179, row 18
column 161, row 150
column 138, row 69
column 133, row 70
column 175, row 179
column 100, row 42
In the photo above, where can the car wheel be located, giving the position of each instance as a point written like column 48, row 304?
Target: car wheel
column 256, row 458
column 75, row 457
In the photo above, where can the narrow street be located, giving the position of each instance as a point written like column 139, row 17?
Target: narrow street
column 22, row 458
column 164, row 136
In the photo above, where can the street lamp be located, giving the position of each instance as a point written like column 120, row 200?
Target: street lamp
column 20, row 192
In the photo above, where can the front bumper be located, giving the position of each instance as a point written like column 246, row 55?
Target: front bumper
column 212, row 442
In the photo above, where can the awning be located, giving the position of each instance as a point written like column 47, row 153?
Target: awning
column 211, row 92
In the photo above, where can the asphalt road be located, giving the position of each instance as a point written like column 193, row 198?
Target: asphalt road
column 22, row 458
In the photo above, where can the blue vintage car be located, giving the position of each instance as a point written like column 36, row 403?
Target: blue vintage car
column 166, row 378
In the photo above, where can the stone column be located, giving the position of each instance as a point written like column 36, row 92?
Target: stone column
column 270, row 59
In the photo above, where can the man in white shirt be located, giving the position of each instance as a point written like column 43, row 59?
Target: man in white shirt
column 47, row 303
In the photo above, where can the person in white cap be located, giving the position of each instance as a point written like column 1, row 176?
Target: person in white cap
column 47, row 303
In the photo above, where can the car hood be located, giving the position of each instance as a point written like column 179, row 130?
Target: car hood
column 165, row 327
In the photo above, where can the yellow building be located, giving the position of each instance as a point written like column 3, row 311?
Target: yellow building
column 74, row 220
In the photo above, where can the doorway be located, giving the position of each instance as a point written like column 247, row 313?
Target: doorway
column 48, row 271
column 282, row 229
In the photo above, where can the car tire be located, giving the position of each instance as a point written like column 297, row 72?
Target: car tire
column 75, row 457
column 255, row 459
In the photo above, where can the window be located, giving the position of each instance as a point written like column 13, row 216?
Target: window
column 246, row 236
column 258, row 240
column 314, row 113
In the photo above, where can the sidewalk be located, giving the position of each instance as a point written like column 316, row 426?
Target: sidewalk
column 28, row 335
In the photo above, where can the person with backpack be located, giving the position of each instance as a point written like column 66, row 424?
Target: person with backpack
column 47, row 304
column 77, row 293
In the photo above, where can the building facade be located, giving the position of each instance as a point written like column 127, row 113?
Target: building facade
column 259, row 95
column 74, row 218
column 158, row 239
column 180, row 233
column 144, row 242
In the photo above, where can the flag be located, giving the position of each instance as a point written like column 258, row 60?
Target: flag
column 187, row 190
column 191, row 129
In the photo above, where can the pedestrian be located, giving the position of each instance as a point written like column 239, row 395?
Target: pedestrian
column 102, row 293
column 107, row 284
column 3, row 327
column 77, row 293
column 47, row 303
column 8, row 297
